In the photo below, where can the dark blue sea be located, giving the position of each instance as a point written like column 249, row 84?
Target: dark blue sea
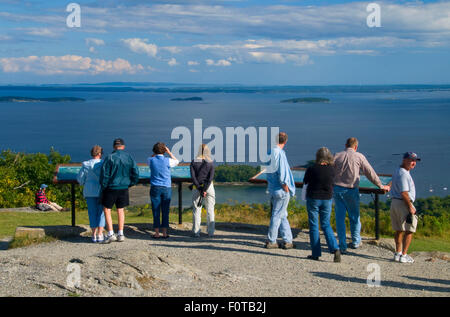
column 386, row 124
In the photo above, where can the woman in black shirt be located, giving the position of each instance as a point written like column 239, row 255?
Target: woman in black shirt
column 319, row 193
column 202, row 173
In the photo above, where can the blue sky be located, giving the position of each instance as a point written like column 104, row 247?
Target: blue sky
column 249, row 42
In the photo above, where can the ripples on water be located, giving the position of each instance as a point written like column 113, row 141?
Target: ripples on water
column 386, row 124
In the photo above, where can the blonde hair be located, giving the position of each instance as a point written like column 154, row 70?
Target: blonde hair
column 204, row 153
column 96, row 150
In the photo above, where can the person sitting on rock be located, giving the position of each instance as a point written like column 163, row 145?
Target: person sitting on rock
column 42, row 202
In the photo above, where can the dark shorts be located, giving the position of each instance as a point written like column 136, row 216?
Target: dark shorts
column 119, row 197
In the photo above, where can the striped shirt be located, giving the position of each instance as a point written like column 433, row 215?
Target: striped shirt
column 41, row 198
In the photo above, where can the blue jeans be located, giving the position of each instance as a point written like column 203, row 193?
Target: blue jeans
column 278, row 220
column 160, row 197
column 322, row 208
column 95, row 212
column 347, row 200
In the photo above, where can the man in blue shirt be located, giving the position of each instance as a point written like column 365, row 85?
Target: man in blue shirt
column 403, row 212
column 281, row 187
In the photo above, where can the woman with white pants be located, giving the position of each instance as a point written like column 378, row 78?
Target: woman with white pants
column 202, row 173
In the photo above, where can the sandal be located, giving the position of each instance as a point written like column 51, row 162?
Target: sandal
column 156, row 237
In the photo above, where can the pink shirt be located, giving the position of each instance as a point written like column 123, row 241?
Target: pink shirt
column 348, row 165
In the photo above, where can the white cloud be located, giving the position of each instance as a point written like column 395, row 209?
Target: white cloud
column 44, row 32
column 405, row 19
column 94, row 41
column 221, row 62
column 192, row 63
column 140, row 46
column 171, row 49
column 172, row 62
column 67, row 64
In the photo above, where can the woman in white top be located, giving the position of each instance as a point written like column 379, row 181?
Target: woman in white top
column 89, row 178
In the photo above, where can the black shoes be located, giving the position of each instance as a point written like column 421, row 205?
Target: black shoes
column 337, row 256
column 315, row 258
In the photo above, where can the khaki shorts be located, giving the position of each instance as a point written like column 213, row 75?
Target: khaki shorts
column 399, row 212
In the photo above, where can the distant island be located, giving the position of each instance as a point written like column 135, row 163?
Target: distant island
column 29, row 99
column 187, row 99
column 306, row 100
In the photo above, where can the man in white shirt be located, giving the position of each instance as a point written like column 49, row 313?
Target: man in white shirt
column 403, row 212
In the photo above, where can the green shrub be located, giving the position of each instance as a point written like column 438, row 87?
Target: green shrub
column 21, row 174
column 234, row 173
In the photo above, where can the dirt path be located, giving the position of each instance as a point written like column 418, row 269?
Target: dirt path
column 233, row 263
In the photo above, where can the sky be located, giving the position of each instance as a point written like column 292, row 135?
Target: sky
column 246, row 42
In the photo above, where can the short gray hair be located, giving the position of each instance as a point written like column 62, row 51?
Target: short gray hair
column 323, row 155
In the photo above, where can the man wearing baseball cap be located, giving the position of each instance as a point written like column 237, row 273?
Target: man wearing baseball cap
column 119, row 172
column 403, row 212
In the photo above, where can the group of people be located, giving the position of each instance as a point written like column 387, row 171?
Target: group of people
column 338, row 177
column 106, row 183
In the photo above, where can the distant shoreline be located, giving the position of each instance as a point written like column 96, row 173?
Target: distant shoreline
column 187, row 99
column 30, row 99
column 306, row 100
column 197, row 88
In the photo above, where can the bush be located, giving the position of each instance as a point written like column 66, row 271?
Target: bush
column 234, row 173
column 21, row 175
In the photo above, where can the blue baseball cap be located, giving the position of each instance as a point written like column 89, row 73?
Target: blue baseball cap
column 43, row 186
column 411, row 155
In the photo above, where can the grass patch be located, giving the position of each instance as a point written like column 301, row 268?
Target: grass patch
column 429, row 244
column 21, row 242
column 9, row 221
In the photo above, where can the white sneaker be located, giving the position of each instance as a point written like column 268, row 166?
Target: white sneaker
column 406, row 259
column 100, row 239
column 109, row 239
column 120, row 238
column 397, row 257
column 94, row 239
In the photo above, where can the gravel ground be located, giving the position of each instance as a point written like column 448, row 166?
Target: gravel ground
column 233, row 263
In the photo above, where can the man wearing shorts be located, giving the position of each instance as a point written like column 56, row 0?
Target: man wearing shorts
column 119, row 172
column 403, row 213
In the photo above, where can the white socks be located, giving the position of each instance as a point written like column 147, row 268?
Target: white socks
column 120, row 233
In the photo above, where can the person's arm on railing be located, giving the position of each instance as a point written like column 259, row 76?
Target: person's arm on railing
column 370, row 173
